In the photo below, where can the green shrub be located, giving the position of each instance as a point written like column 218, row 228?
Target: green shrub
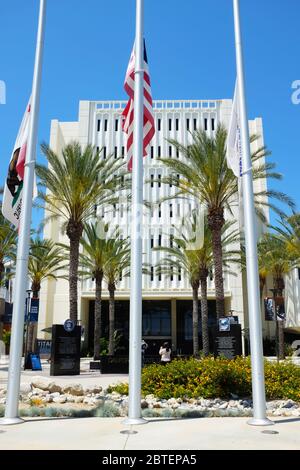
column 216, row 378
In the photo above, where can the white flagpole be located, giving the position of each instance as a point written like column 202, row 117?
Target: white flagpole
column 135, row 321
column 257, row 360
column 13, row 390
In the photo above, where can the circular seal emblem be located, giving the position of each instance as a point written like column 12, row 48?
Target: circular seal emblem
column 69, row 325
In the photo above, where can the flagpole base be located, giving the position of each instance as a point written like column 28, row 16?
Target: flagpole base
column 134, row 421
column 260, row 422
column 11, row 421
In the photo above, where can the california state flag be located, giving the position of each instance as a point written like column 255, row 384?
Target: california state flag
column 13, row 189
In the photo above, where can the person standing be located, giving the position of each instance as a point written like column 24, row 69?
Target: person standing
column 165, row 353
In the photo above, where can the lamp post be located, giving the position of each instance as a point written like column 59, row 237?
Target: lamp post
column 28, row 301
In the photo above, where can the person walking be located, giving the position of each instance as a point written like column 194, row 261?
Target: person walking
column 165, row 353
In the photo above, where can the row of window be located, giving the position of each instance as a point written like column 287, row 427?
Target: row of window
column 159, row 277
column 170, row 152
column 191, row 124
column 158, row 181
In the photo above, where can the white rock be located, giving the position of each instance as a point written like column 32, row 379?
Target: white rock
column 60, row 399
column 296, row 412
column 40, row 382
column 73, row 389
column 70, row 398
column 54, row 395
column 78, row 399
column 24, row 388
column 38, row 391
column 2, row 401
column 223, row 406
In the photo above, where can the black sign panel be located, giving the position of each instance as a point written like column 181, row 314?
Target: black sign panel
column 228, row 343
column 65, row 351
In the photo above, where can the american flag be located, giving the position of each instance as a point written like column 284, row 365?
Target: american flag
column 128, row 113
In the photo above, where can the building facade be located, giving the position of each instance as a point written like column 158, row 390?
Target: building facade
column 167, row 301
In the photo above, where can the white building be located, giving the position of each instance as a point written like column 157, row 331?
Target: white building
column 167, row 302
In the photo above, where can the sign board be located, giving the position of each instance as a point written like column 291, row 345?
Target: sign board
column 65, row 351
column 228, row 343
column 44, row 347
column 33, row 309
column 35, row 362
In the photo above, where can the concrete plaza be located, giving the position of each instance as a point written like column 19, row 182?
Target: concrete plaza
column 158, row 434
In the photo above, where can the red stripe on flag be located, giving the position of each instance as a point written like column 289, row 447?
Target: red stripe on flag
column 128, row 113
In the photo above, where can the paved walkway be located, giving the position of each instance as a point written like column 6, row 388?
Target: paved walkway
column 162, row 434
column 87, row 378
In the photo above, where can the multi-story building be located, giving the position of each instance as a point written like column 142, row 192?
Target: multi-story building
column 167, row 301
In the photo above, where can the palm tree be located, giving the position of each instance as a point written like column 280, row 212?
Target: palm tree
column 43, row 263
column 276, row 260
column 289, row 230
column 205, row 177
column 105, row 256
column 76, row 182
column 196, row 260
column 8, row 242
column 92, row 262
column 117, row 266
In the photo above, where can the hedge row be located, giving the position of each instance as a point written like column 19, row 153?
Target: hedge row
column 211, row 378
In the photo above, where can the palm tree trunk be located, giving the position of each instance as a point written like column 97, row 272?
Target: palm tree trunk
column 97, row 330
column 195, row 320
column 204, row 316
column 73, row 279
column 280, row 329
column 111, row 343
column 218, row 264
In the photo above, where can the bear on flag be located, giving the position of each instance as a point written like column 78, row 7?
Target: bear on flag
column 13, row 189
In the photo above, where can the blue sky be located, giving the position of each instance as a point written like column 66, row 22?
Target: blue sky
column 191, row 55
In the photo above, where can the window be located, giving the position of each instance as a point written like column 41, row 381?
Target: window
column 170, row 151
column 104, row 152
column 156, row 318
column 105, row 125
column 177, row 153
column 120, row 276
column 159, row 210
column 121, row 210
column 179, row 274
column 159, row 239
column 152, row 152
column 98, row 149
column 152, row 242
column 212, row 124
column 187, row 124
column 159, row 151
column 158, row 124
column 116, row 152
column 171, row 241
column 170, row 124
column 123, row 152
column 159, row 275
column 152, row 181
column 205, row 124
column 171, row 274
column 177, row 124
column 98, row 125
column 114, row 210
column 152, row 273
column 195, row 124
column 299, row 274
column 159, row 181
column 116, row 125
column 171, row 210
